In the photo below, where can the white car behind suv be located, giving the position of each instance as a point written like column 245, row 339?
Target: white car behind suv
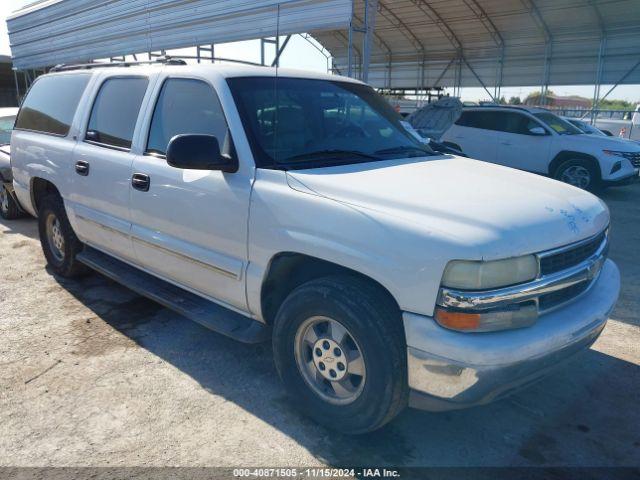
column 536, row 140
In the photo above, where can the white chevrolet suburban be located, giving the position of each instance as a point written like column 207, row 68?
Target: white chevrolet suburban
column 537, row 140
column 296, row 206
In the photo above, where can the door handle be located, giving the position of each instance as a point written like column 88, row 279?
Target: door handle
column 82, row 168
column 141, row 182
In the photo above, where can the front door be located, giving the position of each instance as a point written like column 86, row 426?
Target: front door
column 190, row 226
column 102, row 166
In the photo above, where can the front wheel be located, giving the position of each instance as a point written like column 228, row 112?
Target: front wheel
column 339, row 348
column 579, row 173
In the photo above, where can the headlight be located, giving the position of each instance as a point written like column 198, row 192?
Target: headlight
column 472, row 275
column 615, row 153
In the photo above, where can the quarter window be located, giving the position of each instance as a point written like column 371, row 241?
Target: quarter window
column 512, row 122
column 52, row 103
column 115, row 111
column 186, row 106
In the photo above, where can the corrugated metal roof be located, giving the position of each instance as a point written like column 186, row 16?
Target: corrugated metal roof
column 416, row 43
column 80, row 30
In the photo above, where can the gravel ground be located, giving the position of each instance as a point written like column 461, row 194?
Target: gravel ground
column 92, row 374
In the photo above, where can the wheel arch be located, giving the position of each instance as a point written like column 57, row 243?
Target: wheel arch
column 288, row 270
column 571, row 155
column 39, row 188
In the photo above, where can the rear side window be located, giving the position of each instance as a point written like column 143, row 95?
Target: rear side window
column 513, row 122
column 486, row 120
column 186, row 106
column 115, row 111
column 51, row 104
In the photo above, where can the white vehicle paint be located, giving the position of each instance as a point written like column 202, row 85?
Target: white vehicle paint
column 536, row 140
column 396, row 220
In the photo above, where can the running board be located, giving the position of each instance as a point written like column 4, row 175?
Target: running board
column 205, row 312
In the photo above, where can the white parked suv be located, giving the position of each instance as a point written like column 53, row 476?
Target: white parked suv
column 537, row 140
column 296, row 206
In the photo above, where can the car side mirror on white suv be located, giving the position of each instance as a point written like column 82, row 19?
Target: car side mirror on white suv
column 537, row 131
column 199, row 152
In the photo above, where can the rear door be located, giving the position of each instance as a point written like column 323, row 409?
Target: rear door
column 518, row 147
column 44, row 136
column 102, row 165
column 190, row 226
column 475, row 133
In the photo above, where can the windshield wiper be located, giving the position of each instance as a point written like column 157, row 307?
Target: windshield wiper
column 404, row 149
column 327, row 154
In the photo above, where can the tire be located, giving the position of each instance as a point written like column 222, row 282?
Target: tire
column 59, row 243
column 579, row 173
column 8, row 207
column 374, row 327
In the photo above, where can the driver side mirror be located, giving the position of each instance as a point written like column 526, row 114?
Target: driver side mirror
column 537, row 131
column 199, row 152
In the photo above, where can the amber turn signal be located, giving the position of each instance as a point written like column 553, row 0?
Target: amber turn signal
column 458, row 320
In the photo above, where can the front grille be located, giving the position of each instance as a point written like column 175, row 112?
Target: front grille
column 570, row 257
column 634, row 157
column 550, row 300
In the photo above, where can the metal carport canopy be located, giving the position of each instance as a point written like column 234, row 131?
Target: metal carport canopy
column 420, row 43
column 413, row 43
column 62, row 31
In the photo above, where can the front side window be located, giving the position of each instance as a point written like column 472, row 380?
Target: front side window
column 560, row 126
column 186, row 106
column 51, row 104
column 115, row 111
column 304, row 123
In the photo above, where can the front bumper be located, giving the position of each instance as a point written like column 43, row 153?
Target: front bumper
column 450, row 370
column 626, row 180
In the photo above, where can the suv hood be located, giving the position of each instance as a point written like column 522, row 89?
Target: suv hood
column 490, row 210
column 609, row 143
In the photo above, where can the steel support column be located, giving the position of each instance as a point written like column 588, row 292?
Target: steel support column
column 596, row 89
column 370, row 11
column 279, row 50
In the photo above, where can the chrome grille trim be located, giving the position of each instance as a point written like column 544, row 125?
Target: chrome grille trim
column 478, row 301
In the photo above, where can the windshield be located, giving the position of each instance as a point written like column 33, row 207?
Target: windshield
column 6, row 126
column 305, row 123
column 586, row 128
column 560, row 126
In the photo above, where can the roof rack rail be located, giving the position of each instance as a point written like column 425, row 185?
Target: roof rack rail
column 165, row 60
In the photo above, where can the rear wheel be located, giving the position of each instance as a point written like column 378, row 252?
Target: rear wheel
column 339, row 348
column 579, row 173
column 8, row 207
column 59, row 243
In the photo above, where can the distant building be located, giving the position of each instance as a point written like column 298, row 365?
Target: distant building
column 8, row 96
column 551, row 100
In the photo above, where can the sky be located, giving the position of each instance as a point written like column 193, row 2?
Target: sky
column 300, row 54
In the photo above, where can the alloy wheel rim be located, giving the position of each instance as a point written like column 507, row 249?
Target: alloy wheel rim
column 55, row 237
column 576, row 175
column 330, row 360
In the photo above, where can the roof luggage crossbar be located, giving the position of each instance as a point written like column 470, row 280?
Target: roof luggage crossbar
column 165, row 60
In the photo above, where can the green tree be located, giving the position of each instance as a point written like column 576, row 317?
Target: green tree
column 515, row 101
